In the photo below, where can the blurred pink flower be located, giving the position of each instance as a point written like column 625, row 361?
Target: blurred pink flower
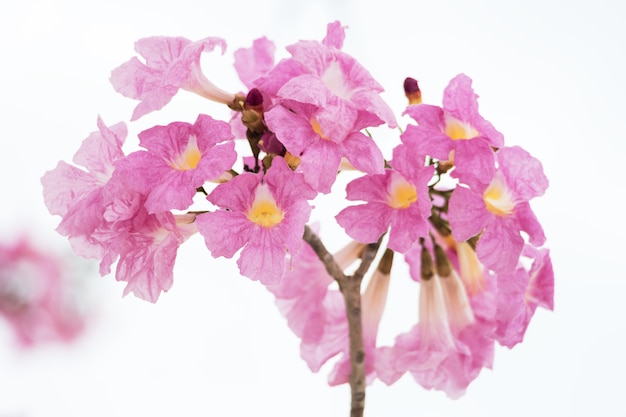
column 36, row 294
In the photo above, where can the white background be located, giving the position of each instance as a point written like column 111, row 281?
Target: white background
column 550, row 75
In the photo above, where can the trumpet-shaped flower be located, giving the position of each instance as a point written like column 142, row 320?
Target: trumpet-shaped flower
column 147, row 253
column 319, row 71
column 180, row 157
column 456, row 132
column 320, row 137
column 445, row 350
column 170, row 64
column 397, row 199
column 499, row 210
column 77, row 194
column 106, row 220
column 264, row 215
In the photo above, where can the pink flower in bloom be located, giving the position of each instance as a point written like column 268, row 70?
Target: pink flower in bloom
column 456, row 132
column 520, row 293
column 264, row 215
column 170, row 64
column 147, row 253
column 77, row 195
column 320, row 71
column 35, row 295
column 397, row 199
column 500, row 210
column 320, row 137
column 106, row 220
column 325, row 99
column 180, row 157
column 450, row 344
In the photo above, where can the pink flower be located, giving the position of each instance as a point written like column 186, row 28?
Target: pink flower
column 520, row 293
column 448, row 347
column 106, row 220
column 456, row 132
column 170, row 64
column 36, row 295
column 318, row 71
column 77, row 195
column 397, row 199
column 499, row 210
column 147, row 253
column 180, row 157
column 320, row 136
column 264, row 215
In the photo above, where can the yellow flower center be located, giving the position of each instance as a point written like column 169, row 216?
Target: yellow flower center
column 456, row 129
column 190, row 157
column 318, row 129
column 264, row 210
column 498, row 198
column 401, row 193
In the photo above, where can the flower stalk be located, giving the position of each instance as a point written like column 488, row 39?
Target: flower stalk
column 350, row 286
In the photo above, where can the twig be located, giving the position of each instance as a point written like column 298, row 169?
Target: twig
column 350, row 287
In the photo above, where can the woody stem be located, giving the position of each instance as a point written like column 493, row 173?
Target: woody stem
column 350, row 286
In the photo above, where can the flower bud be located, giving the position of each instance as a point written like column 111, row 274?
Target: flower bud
column 412, row 91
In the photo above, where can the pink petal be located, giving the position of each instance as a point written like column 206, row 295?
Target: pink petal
column 254, row 62
column 500, row 246
column 335, row 35
column 467, row 214
column 363, row 153
column 522, row 172
column 224, row 232
column 366, row 222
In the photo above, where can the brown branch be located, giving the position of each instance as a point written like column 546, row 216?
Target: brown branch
column 326, row 257
column 350, row 287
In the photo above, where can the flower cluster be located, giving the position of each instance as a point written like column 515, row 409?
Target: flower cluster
column 453, row 202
